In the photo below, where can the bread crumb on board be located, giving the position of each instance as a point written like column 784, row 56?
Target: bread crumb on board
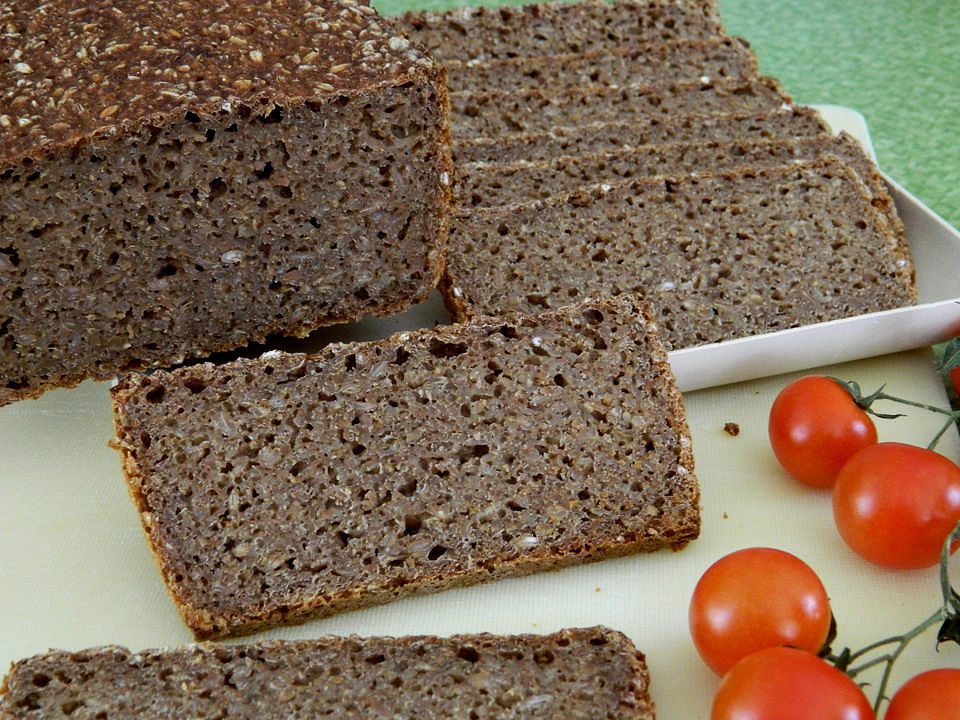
column 732, row 429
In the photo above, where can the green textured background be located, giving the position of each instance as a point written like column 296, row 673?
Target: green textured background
column 896, row 61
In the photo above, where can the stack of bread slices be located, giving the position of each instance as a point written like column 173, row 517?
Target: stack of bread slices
column 604, row 148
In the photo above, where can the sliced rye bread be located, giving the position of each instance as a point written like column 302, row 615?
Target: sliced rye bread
column 169, row 198
column 715, row 58
column 482, row 185
column 294, row 486
column 718, row 257
column 554, row 28
column 580, row 674
column 625, row 135
column 494, row 114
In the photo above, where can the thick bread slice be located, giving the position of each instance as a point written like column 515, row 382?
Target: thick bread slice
column 580, row 674
column 497, row 113
column 292, row 486
column 553, row 28
column 718, row 257
column 626, row 135
column 169, row 190
column 716, row 58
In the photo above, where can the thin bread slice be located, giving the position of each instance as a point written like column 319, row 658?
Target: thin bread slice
column 487, row 185
column 496, row 113
column 626, row 135
column 718, row 257
column 553, row 28
column 481, row 185
column 582, row 674
column 716, row 58
column 291, row 486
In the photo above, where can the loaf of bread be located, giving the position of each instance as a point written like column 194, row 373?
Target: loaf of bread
column 555, row 28
column 490, row 185
column 294, row 486
column 716, row 58
column 580, row 674
column 181, row 182
column 625, row 135
column 718, row 257
column 494, row 114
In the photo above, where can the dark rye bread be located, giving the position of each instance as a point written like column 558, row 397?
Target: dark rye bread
column 556, row 28
column 482, row 185
column 718, row 257
column 497, row 113
column 715, row 58
column 175, row 183
column 295, row 486
column 582, row 674
column 625, row 135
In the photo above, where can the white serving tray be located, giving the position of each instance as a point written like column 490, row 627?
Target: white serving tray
column 935, row 247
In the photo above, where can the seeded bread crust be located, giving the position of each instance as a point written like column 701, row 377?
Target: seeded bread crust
column 716, row 256
column 581, row 674
column 552, row 28
column 151, row 216
column 493, row 114
column 619, row 136
column 716, row 58
column 418, row 469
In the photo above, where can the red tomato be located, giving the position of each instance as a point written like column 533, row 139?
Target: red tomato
column 815, row 427
column 895, row 504
column 754, row 599
column 933, row 695
column 788, row 684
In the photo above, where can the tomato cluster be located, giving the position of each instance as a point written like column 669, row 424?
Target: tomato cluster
column 760, row 617
column 894, row 504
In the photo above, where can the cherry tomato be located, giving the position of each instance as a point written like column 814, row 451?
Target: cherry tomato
column 933, row 695
column 754, row 599
column 895, row 504
column 815, row 427
column 788, row 684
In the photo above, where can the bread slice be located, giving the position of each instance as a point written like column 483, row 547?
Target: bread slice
column 716, row 58
column 248, row 182
column 494, row 114
column 554, row 28
column 481, row 185
column 718, row 257
column 582, row 674
column 626, row 135
column 292, row 486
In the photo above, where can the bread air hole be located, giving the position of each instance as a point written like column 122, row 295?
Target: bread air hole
column 440, row 349
column 469, row 654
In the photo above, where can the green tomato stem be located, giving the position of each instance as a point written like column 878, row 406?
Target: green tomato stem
column 903, row 401
column 946, row 426
column 950, row 607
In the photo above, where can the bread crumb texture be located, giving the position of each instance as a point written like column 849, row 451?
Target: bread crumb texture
column 299, row 485
column 583, row 674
